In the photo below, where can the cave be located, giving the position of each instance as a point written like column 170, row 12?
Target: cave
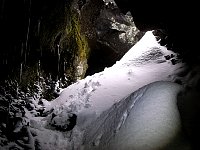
column 72, row 69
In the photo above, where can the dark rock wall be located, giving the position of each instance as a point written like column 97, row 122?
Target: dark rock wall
column 178, row 20
column 23, row 25
column 40, row 42
column 48, row 40
column 110, row 33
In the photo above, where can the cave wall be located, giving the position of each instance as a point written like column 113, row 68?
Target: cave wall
column 41, row 39
column 46, row 41
column 178, row 21
column 110, row 33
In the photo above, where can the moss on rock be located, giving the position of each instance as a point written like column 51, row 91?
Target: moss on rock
column 78, row 43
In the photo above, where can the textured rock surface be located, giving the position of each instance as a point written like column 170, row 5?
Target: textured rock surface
column 110, row 35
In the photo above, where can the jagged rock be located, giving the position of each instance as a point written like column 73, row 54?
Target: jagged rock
column 116, row 30
column 112, row 34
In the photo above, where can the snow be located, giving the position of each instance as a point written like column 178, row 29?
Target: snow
column 108, row 115
column 144, row 63
column 145, row 120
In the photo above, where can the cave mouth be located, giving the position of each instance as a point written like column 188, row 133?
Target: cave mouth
column 176, row 20
column 100, row 58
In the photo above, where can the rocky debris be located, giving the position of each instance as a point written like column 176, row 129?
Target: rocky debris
column 14, row 125
column 13, row 116
column 27, row 143
column 63, row 121
column 173, row 58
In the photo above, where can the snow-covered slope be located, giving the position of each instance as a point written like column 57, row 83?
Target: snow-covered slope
column 93, row 97
column 148, row 119
column 144, row 63
column 106, row 112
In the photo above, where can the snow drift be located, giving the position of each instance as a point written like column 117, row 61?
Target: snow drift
column 148, row 119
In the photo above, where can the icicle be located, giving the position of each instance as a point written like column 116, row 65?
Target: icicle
column 25, row 57
column 20, row 74
column 5, row 62
column 29, row 22
column 39, row 64
column 50, row 78
column 58, row 58
column 38, row 27
column 17, row 90
column 64, row 66
column 38, row 70
column 22, row 48
column 27, row 34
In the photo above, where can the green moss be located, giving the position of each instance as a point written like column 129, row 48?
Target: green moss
column 74, row 48
column 78, row 44
column 59, row 26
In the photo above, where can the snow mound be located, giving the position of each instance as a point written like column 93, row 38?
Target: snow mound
column 148, row 119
